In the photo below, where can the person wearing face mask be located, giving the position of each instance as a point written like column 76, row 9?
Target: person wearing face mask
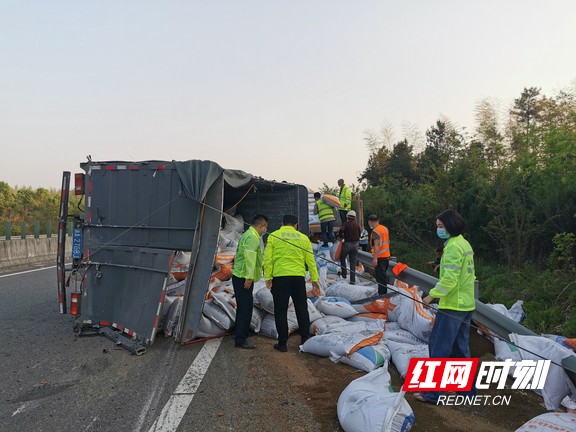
column 248, row 266
column 450, row 337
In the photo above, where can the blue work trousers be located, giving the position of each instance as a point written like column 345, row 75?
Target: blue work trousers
column 327, row 229
column 450, row 338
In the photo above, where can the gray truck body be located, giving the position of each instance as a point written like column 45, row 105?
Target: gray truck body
column 137, row 214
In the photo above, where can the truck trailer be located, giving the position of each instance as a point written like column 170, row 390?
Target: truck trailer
column 135, row 217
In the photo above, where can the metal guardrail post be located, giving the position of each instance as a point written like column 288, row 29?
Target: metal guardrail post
column 36, row 230
column 49, row 230
column 8, row 232
column 23, row 230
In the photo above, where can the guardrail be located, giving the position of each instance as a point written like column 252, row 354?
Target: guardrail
column 485, row 315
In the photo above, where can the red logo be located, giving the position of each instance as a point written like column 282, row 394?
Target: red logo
column 440, row 374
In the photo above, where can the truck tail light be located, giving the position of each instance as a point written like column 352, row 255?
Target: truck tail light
column 78, row 184
column 74, row 300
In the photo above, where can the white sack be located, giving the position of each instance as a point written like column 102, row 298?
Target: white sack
column 217, row 315
column 320, row 325
column 313, row 312
column 351, row 292
column 414, row 317
column 227, row 302
column 173, row 317
column 256, row 320
column 367, row 316
column 207, row 328
column 176, row 289
column 268, row 327
column 550, row 422
column 402, row 353
column 366, row 358
column 557, row 385
column 335, row 306
column 339, row 344
column 351, row 327
column 369, row 404
column 400, row 335
column 265, row 300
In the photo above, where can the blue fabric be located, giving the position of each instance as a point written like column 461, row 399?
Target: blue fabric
column 450, row 338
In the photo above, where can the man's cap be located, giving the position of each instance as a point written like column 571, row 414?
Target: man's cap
column 289, row 219
column 351, row 214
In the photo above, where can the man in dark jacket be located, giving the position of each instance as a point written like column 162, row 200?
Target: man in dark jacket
column 350, row 232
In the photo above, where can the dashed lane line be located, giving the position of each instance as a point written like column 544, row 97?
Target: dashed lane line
column 174, row 410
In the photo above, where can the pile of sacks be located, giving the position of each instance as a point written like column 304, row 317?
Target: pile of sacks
column 348, row 324
column 219, row 312
column 558, row 389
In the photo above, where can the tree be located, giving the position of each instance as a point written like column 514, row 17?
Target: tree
column 401, row 164
column 375, row 171
column 443, row 143
column 526, row 108
column 6, row 200
column 488, row 133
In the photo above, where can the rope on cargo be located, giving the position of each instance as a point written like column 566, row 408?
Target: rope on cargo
column 252, row 186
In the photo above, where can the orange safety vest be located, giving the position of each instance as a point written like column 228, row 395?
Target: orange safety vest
column 382, row 232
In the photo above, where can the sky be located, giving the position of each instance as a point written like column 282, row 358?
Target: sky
column 284, row 90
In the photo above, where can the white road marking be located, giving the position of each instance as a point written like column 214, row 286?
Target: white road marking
column 172, row 413
column 26, row 406
column 27, row 271
column 20, row 409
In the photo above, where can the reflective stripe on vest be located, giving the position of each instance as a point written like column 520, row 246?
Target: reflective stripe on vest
column 382, row 232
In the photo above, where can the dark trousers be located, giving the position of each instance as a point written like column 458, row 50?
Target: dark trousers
column 350, row 250
column 244, row 306
column 450, row 338
column 343, row 214
column 380, row 275
column 327, row 229
column 284, row 287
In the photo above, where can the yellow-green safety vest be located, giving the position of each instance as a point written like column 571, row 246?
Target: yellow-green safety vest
column 325, row 212
column 288, row 253
column 249, row 259
column 455, row 289
column 345, row 198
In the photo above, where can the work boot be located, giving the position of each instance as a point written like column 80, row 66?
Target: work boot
column 281, row 348
column 246, row 345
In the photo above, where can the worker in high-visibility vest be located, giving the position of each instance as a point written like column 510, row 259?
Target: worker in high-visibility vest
column 345, row 197
column 287, row 256
column 380, row 242
column 326, row 215
column 450, row 337
column 248, row 266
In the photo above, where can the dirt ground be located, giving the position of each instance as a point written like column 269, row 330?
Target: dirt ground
column 319, row 383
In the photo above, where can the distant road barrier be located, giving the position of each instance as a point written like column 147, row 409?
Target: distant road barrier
column 17, row 251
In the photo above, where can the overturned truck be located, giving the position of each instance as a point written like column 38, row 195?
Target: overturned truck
column 136, row 215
